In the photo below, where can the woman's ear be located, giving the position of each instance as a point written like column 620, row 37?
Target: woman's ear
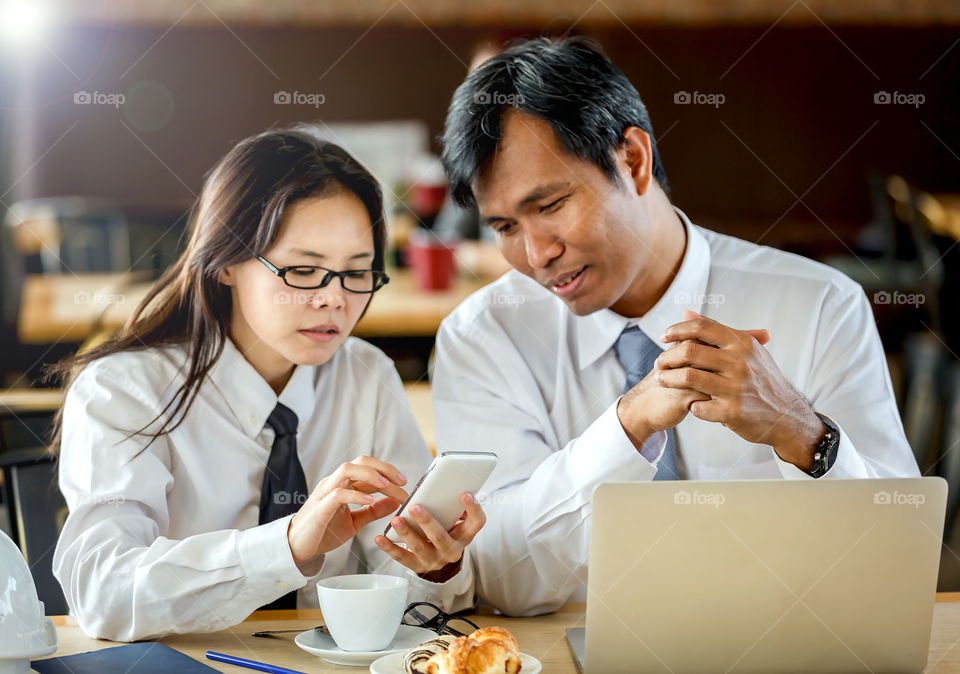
column 636, row 155
column 226, row 276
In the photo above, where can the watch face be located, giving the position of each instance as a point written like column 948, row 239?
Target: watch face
column 826, row 451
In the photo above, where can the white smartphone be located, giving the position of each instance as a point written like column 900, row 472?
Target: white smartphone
column 450, row 474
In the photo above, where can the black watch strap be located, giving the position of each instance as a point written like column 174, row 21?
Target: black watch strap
column 826, row 452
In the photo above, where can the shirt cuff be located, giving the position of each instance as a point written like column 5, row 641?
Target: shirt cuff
column 267, row 560
column 605, row 446
column 454, row 594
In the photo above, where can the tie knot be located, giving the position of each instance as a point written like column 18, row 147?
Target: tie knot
column 637, row 353
column 283, row 420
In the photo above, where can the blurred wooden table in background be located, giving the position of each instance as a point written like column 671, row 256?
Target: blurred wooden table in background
column 71, row 308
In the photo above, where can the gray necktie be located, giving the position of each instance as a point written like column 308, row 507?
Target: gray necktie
column 637, row 353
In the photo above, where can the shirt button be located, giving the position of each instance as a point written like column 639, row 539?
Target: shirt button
column 282, row 586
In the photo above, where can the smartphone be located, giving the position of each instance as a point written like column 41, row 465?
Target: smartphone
column 450, row 474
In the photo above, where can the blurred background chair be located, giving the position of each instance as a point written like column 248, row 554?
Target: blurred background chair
column 29, row 490
column 897, row 262
column 71, row 234
column 926, row 359
column 156, row 234
column 55, row 237
column 950, row 454
column 65, row 239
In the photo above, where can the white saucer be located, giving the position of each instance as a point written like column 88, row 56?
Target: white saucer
column 393, row 664
column 323, row 646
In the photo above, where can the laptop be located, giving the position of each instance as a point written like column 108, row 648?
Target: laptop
column 762, row 576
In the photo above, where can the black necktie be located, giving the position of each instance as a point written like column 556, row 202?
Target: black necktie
column 284, row 484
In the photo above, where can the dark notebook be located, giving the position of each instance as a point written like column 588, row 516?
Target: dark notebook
column 146, row 658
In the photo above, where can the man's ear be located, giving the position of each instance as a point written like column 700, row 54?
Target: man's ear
column 635, row 153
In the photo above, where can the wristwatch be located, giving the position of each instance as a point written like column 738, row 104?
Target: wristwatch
column 826, row 452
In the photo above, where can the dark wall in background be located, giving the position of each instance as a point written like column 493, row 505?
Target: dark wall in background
column 799, row 118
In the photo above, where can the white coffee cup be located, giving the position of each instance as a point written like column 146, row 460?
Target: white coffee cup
column 363, row 611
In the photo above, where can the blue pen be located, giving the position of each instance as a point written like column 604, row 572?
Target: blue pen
column 252, row 664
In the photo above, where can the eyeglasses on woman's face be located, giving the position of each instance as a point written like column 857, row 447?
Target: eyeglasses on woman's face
column 309, row 277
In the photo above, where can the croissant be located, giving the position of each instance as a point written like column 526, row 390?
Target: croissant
column 489, row 650
column 509, row 642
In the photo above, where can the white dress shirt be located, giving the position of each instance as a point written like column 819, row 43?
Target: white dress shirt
column 167, row 539
column 519, row 374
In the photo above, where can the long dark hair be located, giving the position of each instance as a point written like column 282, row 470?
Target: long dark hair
column 236, row 218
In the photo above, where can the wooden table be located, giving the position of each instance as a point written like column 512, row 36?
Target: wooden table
column 542, row 637
column 401, row 310
column 71, row 307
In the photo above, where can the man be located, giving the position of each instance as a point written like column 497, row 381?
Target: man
column 618, row 349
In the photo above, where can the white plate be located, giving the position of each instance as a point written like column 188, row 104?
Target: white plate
column 323, row 646
column 393, row 664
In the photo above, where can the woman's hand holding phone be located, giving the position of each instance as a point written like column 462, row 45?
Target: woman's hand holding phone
column 326, row 521
column 435, row 554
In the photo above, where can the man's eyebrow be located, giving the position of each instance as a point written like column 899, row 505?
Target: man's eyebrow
column 540, row 192
column 536, row 194
column 321, row 256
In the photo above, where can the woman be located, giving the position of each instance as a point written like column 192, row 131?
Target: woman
column 207, row 452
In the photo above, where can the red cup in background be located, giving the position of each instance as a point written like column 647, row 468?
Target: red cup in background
column 431, row 261
column 426, row 200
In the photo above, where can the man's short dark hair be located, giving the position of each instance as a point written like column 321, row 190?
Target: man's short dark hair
column 569, row 83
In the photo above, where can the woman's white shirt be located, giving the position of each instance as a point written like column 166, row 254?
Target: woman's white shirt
column 165, row 538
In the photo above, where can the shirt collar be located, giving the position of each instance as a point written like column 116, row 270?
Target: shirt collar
column 596, row 333
column 250, row 397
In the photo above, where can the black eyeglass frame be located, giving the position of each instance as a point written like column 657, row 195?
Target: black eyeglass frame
column 380, row 278
column 438, row 623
